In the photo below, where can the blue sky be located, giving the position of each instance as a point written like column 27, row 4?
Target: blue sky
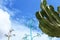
column 17, row 15
column 27, row 6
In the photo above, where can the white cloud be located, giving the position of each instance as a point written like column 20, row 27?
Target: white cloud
column 5, row 23
column 21, row 30
column 43, row 37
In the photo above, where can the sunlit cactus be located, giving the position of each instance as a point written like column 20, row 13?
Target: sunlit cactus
column 49, row 19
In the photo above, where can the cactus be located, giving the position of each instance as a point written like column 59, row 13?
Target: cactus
column 49, row 19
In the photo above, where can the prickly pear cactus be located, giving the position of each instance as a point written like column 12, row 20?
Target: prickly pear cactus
column 49, row 19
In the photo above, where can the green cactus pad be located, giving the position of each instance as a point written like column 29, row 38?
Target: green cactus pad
column 49, row 19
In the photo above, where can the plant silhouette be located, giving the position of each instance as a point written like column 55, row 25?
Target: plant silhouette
column 49, row 19
column 9, row 34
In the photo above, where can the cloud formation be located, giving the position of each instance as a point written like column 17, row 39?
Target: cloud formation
column 5, row 24
column 6, row 2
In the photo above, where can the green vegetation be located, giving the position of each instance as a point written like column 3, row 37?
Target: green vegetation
column 49, row 19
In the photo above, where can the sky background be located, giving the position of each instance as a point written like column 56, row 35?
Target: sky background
column 17, row 15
